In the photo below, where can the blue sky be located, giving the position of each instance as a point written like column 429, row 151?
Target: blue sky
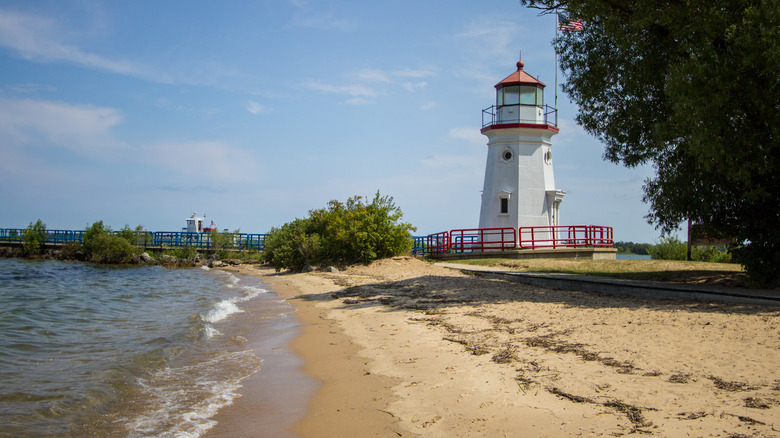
column 254, row 113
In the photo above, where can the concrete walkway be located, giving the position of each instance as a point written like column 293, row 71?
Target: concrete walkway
column 637, row 288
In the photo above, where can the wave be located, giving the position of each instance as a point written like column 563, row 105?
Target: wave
column 184, row 399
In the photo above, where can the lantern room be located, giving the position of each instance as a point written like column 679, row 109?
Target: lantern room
column 519, row 99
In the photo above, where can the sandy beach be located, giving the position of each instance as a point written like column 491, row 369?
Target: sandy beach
column 406, row 348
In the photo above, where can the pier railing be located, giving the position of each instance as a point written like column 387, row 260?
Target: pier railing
column 483, row 239
column 475, row 240
column 147, row 239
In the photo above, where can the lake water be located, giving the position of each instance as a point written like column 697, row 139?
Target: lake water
column 135, row 351
column 633, row 257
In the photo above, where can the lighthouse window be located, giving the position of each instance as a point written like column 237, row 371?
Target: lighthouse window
column 528, row 95
column 511, row 95
column 504, row 207
column 520, row 94
column 506, row 155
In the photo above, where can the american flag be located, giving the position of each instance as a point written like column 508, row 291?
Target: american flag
column 566, row 24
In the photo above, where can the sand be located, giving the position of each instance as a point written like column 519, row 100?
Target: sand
column 406, row 348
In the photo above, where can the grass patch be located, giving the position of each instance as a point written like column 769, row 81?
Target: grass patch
column 649, row 270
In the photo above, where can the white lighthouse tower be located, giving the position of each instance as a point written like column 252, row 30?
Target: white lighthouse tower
column 519, row 189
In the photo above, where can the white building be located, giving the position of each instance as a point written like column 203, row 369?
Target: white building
column 519, row 189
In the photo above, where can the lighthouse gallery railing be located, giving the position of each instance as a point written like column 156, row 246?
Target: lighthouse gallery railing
column 490, row 116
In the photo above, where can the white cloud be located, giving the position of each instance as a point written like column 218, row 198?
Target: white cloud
column 493, row 36
column 203, row 162
column 428, row 105
column 472, row 135
column 371, row 75
column 84, row 129
column 360, row 94
column 256, row 108
column 358, row 101
column 357, row 90
column 324, row 22
column 368, row 82
column 414, row 86
column 39, row 39
column 484, row 40
column 414, row 73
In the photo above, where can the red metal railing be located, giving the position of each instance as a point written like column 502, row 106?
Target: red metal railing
column 502, row 239
column 438, row 243
column 600, row 236
column 483, row 239
column 565, row 236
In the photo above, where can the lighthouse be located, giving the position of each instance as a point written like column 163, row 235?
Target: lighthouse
column 519, row 189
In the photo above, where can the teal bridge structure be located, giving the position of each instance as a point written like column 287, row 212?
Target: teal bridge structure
column 145, row 239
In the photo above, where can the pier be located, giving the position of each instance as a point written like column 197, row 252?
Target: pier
column 148, row 240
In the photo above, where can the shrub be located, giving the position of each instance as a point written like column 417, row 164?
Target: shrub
column 33, row 237
column 70, row 251
column 222, row 242
column 184, row 252
column 671, row 248
column 292, row 245
column 102, row 246
column 632, row 248
column 352, row 232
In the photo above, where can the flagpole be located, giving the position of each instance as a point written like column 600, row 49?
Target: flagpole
column 557, row 24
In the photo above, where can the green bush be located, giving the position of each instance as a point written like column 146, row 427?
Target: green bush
column 33, row 237
column 671, row 248
column 70, row 251
column 292, row 245
column 632, row 248
column 761, row 261
column 222, row 242
column 102, row 246
column 352, row 232
column 184, row 252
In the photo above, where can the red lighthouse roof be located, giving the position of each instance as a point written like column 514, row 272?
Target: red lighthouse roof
column 520, row 78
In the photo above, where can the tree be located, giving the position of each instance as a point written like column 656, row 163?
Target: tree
column 341, row 233
column 101, row 245
column 34, row 237
column 690, row 86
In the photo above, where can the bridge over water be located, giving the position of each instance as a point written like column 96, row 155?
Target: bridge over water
column 146, row 239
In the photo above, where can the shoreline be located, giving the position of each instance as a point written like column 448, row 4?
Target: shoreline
column 345, row 398
column 404, row 348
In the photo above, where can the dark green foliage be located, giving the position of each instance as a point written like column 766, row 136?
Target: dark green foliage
column 292, row 245
column 33, row 237
column 126, row 233
column 691, row 87
column 102, row 246
column 671, row 248
column 185, row 253
column 222, row 242
column 632, row 248
column 341, row 233
column 70, row 251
